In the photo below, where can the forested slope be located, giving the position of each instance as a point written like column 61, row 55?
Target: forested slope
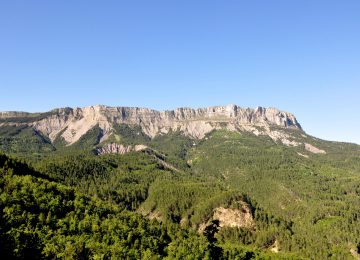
column 230, row 195
column 44, row 218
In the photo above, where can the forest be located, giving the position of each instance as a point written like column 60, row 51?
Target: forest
column 69, row 202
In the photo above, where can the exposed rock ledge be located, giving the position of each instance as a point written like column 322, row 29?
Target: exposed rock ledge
column 313, row 149
column 119, row 148
column 234, row 217
column 229, row 217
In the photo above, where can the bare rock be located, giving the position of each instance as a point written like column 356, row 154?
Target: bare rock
column 275, row 247
column 140, row 147
column 303, row 155
column 73, row 123
column 114, row 148
column 314, row 149
column 234, row 217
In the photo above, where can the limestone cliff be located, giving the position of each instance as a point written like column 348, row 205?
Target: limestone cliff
column 73, row 123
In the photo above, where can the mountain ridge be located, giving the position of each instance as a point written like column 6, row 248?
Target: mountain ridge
column 72, row 123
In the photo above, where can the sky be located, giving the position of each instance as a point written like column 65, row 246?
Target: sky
column 301, row 56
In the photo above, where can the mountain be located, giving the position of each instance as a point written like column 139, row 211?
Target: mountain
column 69, row 125
column 221, row 182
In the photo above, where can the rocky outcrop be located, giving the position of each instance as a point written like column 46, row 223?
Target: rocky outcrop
column 275, row 247
column 231, row 217
column 73, row 123
column 234, row 217
column 114, row 148
column 303, row 155
column 313, row 149
column 119, row 148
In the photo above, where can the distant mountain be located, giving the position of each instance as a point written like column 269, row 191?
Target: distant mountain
column 68, row 125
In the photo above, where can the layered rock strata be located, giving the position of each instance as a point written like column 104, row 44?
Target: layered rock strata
column 72, row 123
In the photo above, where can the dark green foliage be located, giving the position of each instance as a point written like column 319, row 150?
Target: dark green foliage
column 86, row 143
column 175, row 147
column 130, row 135
column 42, row 219
column 23, row 139
column 188, row 199
column 172, row 147
column 19, row 168
column 210, row 231
column 121, row 179
column 308, row 206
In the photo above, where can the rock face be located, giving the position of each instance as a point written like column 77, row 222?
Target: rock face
column 119, row 148
column 234, row 217
column 73, row 123
column 231, row 217
column 114, row 148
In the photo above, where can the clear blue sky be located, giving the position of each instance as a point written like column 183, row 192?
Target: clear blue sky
column 302, row 56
